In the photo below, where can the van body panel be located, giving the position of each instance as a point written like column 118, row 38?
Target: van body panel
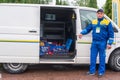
column 17, row 43
column 20, row 35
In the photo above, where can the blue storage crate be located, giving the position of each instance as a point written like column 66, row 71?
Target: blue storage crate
column 43, row 50
column 68, row 44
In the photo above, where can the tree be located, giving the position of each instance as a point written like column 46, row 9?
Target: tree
column 108, row 8
column 87, row 3
column 65, row 3
column 26, row 1
column 57, row 2
column 61, row 2
column 92, row 3
column 81, row 2
column 47, row 1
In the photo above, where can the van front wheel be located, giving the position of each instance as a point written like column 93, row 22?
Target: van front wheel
column 15, row 68
column 114, row 60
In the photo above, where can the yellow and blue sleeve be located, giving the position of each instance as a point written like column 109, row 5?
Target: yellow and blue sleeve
column 110, row 34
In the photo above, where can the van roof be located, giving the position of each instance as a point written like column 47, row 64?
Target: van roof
column 45, row 5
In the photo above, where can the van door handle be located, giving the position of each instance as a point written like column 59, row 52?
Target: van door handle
column 33, row 31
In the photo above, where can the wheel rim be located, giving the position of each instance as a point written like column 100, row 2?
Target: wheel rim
column 15, row 66
column 118, row 61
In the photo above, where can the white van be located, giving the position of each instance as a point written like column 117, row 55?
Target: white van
column 38, row 34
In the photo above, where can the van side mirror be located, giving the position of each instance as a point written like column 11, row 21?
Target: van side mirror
column 115, row 30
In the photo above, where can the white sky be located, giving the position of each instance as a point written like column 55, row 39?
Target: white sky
column 100, row 3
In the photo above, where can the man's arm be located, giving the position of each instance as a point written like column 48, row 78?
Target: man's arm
column 110, row 34
column 86, row 30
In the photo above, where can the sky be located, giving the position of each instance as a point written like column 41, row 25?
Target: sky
column 100, row 3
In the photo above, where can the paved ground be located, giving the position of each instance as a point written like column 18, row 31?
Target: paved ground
column 55, row 72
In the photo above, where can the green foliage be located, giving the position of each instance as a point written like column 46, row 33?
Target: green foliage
column 92, row 3
column 108, row 8
column 26, row 1
column 58, row 2
column 65, row 3
column 87, row 3
column 81, row 2
column 61, row 2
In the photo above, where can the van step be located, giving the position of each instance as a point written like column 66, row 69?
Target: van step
column 58, row 56
column 57, row 61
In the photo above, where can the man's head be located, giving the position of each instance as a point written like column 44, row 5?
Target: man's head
column 100, row 13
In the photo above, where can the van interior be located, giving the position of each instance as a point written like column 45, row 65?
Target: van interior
column 57, row 33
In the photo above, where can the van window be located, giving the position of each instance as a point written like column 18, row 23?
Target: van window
column 86, row 16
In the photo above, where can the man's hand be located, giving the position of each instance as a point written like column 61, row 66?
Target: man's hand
column 80, row 36
column 109, row 46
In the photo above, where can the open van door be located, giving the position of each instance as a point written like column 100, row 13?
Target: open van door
column 84, row 44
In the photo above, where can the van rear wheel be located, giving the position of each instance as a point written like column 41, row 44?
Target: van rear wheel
column 15, row 68
column 114, row 60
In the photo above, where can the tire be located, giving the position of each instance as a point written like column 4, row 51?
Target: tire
column 15, row 68
column 114, row 60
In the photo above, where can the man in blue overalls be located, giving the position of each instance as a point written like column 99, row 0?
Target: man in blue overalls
column 102, row 37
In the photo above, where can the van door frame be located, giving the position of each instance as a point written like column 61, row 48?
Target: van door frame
column 66, row 61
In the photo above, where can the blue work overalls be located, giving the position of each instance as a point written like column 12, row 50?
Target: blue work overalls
column 102, row 34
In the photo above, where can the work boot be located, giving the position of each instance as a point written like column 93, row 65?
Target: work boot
column 100, row 75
